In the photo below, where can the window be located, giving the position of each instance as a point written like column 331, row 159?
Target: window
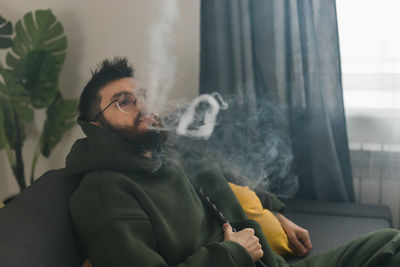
column 369, row 33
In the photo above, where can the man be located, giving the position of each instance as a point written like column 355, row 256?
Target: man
column 137, row 203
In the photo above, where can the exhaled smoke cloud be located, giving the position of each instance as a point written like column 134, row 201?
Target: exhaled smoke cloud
column 196, row 114
column 162, row 63
column 247, row 145
column 196, row 119
column 161, row 77
column 252, row 148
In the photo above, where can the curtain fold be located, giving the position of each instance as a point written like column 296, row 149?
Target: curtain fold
column 279, row 63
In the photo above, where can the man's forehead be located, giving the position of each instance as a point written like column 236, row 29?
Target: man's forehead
column 115, row 87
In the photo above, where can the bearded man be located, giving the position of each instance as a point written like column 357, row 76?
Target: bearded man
column 137, row 201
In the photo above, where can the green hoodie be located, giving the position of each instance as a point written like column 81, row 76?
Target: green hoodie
column 129, row 210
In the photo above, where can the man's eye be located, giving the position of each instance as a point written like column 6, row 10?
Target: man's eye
column 124, row 103
column 127, row 101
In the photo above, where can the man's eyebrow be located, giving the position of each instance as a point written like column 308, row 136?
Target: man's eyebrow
column 120, row 93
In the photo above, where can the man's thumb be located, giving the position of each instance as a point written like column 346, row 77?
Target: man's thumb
column 227, row 228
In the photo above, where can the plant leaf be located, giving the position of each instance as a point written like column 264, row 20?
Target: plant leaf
column 38, row 75
column 5, row 33
column 11, row 90
column 60, row 118
column 2, row 133
column 13, row 102
column 10, row 127
column 23, row 111
column 41, row 31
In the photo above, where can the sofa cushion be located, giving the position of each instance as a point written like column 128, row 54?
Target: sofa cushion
column 35, row 227
column 333, row 224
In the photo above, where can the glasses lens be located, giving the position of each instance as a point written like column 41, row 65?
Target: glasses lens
column 126, row 102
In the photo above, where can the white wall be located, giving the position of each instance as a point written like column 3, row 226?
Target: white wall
column 97, row 29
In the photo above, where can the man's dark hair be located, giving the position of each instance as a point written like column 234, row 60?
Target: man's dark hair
column 106, row 72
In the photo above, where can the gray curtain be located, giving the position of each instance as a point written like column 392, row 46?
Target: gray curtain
column 279, row 63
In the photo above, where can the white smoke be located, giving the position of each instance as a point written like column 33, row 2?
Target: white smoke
column 252, row 148
column 261, row 155
column 208, row 118
column 161, row 75
column 162, row 63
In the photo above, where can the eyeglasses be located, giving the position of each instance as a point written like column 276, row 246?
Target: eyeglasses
column 126, row 103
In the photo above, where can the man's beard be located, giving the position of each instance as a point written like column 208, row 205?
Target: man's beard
column 141, row 141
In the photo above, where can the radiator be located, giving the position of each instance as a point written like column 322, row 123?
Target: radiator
column 376, row 175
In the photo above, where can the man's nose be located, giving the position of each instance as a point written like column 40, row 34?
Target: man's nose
column 141, row 103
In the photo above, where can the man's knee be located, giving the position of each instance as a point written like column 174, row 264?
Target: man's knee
column 384, row 244
column 378, row 239
column 385, row 235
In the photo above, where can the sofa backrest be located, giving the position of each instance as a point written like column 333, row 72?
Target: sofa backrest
column 36, row 228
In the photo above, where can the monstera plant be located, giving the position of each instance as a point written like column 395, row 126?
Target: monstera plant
column 34, row 57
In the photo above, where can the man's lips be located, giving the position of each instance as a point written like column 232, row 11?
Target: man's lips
column 150, row 121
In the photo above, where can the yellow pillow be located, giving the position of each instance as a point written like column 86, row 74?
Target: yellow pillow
column 270, row 225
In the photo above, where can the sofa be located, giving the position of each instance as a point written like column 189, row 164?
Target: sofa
column 36, row 229
column 332, row 224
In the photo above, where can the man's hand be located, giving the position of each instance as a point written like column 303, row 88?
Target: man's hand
column 246, row 239
column 299, row 239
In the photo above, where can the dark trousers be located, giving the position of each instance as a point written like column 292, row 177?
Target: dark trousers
column 376, row 249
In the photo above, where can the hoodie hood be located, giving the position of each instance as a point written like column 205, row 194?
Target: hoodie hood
column 101, row 150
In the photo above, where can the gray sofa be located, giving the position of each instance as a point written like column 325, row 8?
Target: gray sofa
column 36, row 229
column 333, row 224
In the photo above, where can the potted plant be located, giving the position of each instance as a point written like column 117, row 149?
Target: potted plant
column 29, row 80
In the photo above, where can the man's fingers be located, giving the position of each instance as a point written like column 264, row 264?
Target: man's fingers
column 246, row 239
column 305, row 239
column 298, row 247
column 250, row 230
column 255, row 250
column 227, row 228
column 299, row 239
column 258, row 255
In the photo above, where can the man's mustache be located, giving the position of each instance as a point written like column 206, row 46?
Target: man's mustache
column 142, row 116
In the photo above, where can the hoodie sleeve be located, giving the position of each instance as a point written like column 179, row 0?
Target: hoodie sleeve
column 268, row 200
column 131, row 243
